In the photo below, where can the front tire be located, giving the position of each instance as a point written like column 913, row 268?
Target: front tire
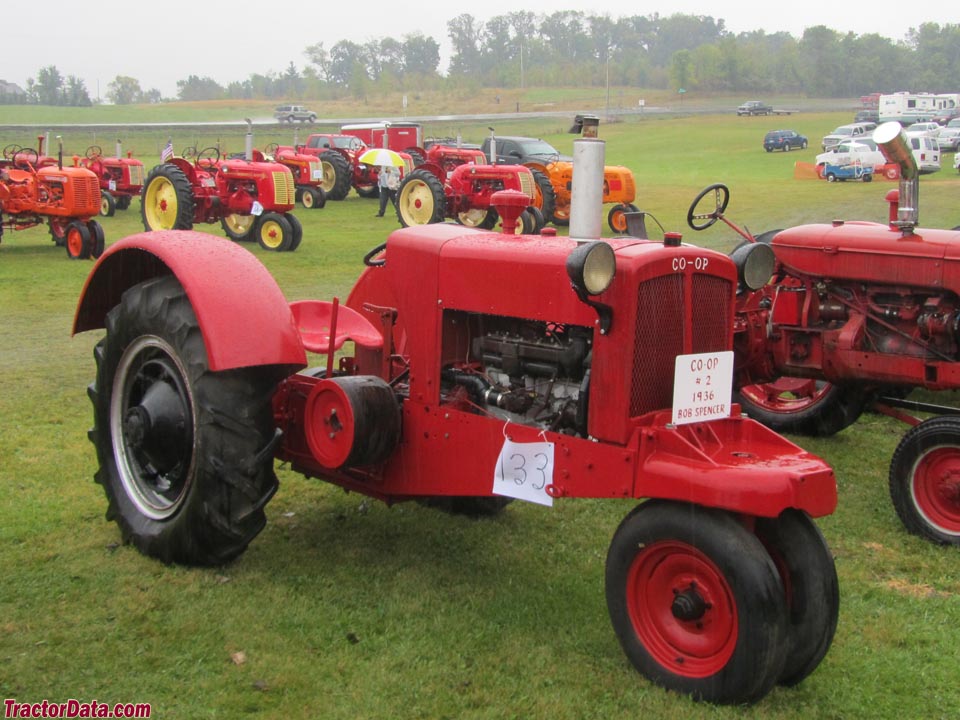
column 185, row 453
column 108, row 205
column 696, row 602
column 78, row 241
column 925, row 480
column 617, row 219
column 274, row 232
column 312, row 198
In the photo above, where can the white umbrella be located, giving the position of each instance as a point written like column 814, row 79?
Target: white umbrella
column 381, row 157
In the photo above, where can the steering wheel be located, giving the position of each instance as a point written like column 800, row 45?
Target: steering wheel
column 209, row 154
column 23, row 155
column 379, row 262
column 271, row 149
column 357, row 144
column 10, row 151
column 721, row 196
column 188, row 152
column 93, row 152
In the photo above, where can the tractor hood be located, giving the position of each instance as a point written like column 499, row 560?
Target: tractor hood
column 871, row 252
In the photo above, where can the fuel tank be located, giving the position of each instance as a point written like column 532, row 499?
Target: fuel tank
column 872, row 253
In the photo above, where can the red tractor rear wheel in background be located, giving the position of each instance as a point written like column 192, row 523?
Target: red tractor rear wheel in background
column 804, row 405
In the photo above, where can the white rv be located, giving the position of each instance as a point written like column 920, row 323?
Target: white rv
column 907, row 108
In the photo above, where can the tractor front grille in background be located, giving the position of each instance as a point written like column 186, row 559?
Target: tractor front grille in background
column 661, row 315
column 86, row 193
column 526, row 183
column 284, row 190
column 136, row 174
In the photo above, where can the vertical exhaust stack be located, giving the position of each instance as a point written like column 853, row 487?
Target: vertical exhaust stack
column 248, row 150
column 586, row 192
column 119, row 149
column 893, row 143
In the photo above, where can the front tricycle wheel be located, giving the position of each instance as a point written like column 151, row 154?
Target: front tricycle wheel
column 185, row 454
column 696, row 602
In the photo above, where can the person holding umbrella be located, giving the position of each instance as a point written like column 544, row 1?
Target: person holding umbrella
column 388, row 182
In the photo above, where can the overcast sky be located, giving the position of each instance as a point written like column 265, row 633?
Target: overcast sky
column 159, row 43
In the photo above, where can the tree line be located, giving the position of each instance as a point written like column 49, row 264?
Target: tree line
column 574, row 48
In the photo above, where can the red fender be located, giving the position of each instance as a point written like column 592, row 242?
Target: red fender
column 243, row 315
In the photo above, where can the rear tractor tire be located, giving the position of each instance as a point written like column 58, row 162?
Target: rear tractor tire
column 185, row 454
column 420, row 199
column 166, row 201
column 337, row 175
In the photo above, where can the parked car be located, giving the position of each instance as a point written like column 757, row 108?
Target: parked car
column 930, row 129
column 289, row 113
column 785, row 140
column 947, row 115
column 852, row 152
column 926, row 151
column 954, row 123
column 754, row 107
column 853, row 131
column 856, row 171
column 867, row 116
column 949, row 138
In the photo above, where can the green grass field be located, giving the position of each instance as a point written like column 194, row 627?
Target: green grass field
column 345, row 608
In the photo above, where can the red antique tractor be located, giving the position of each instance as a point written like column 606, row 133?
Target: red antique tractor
column 306, row 170
column 35, row 189
column 121, row 178
column 250, row 199
column 455, row 182
column 476, row 367
column 857, row 314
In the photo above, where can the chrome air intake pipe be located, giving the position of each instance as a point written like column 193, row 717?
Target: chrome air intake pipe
column 895, row 147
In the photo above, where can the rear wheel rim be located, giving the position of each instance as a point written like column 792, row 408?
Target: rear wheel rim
column 786, row 395
column 239, row 224
column 935, row 488
column 160, row 205
column 151, row 427
column 682, row 609
column 417, row 203
column 473, row 217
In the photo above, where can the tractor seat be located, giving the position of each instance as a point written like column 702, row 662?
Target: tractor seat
column 312, row 318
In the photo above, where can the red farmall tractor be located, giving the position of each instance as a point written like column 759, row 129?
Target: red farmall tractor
column 475, row 367
column 455, row 182
column 250, row 199
column 853, row 312
column 35, row 189
column 121, row 177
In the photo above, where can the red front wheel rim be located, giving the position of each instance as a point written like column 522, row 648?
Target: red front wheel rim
column 936, row 488
column 682, row 609
column 786, row 394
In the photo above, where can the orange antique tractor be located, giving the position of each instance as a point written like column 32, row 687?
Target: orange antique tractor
column 250, row 199
column 35, row 189
column 121, row 178
column 476, row 368
column 307, row 171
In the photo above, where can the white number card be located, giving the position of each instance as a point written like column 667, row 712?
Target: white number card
column 524, row 471
column 702, row 387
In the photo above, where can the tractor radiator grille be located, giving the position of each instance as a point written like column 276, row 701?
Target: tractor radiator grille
column 284, row 190
column 86, row 193
column 526, row 183
column 136, row 174
column 662, row 313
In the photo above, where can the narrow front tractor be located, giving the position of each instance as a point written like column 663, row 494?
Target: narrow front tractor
column 35, row 189
column 249, row 199
column 475, row 368
column 455, row 182
column 121, row 177
column 852, row 315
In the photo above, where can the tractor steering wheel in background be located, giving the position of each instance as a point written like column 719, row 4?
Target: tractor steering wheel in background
column 188, row 152
column 27, row 155
column 721, row 196
column 271, row 149
column 11, row 150
column 368, row 259
column 93, row 152
column 210, row 154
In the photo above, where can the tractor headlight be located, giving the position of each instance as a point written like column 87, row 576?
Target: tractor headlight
column 591, row 267
column 755, row 264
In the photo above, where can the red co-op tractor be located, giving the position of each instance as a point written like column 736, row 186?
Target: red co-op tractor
column 475, row 367
column 857, row 314
column 250, row 199
column 35, row 189
column 456, row 182
column 121, row 178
